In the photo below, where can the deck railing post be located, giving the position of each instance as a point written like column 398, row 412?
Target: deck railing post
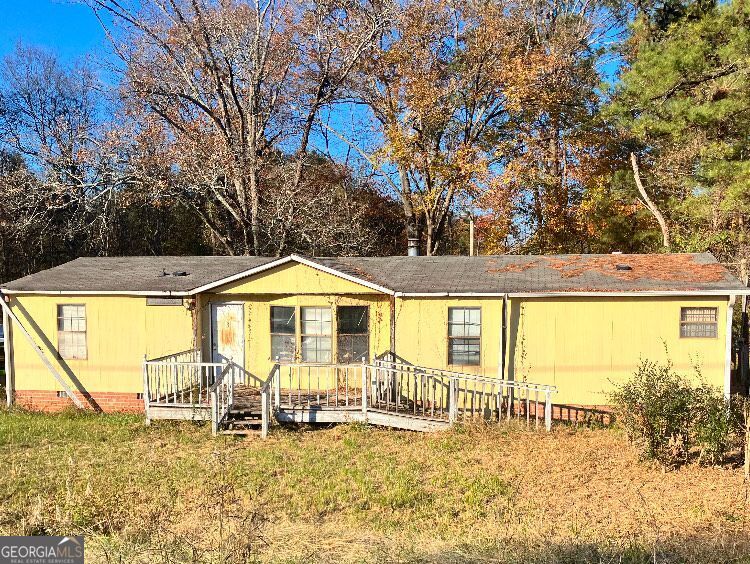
column 264, row 412
column 214, row 411
column 174, row 381
column 146, row 390
column 365, row 386
column 277, row 385
column 548, row 410
column 453, row 401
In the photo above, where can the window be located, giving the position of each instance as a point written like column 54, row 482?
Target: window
column 283, row 331
column 464, row 335
column 698, row 322
column 353, row 337
column 71, row 331
column 316, row 334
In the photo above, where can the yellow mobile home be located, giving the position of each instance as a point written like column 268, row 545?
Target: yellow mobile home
column 433, row 338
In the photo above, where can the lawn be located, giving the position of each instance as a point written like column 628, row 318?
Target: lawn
column 172, row 493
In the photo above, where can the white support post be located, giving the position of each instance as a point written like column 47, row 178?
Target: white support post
column 365, row 387
column 548, row 410
column 277, row 386
column 146, row 391
column 453, row 401
column 8, row 349
column 265, row 415
column 215, row 412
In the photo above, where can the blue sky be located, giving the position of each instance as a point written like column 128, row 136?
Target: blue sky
column 68, row 28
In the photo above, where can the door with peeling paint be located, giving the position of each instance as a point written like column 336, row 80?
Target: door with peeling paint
column 227, row 333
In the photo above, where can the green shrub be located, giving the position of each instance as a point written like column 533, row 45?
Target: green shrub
column 654, row 407
column 669, row 418
column 716, row 424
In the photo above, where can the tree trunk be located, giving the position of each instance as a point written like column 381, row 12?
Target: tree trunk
column 650, row 204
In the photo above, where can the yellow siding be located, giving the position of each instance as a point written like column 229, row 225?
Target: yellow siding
column 422, row 332
column 294, row 278
column 580, row 345
column 257, row 310
column 584, row 345
column 120, row 330
column 295, row 285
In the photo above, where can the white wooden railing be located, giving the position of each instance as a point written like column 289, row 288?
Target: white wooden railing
column 397, row 388
column 404, row 389
column 222, row 396
column 457, row 396
column 267, row 403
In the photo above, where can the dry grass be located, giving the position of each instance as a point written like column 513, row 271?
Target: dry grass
column 171, row 493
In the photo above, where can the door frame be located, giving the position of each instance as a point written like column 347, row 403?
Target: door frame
column 211, row 308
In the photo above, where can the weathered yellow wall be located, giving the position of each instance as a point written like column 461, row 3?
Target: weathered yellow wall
column 294, row 278
column 120, row 330
column 294, row 285
column 581, row 345
column 584, row 345
column 422, row 332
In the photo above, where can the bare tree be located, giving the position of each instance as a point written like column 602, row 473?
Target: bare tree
column 236, row 83
column 48, row 116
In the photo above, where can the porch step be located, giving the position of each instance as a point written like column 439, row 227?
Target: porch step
column 244, row 422
column 241, row 432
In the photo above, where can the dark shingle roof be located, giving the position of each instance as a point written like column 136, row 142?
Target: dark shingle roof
column 135, row 274
column 444, row 274
column 549, row 273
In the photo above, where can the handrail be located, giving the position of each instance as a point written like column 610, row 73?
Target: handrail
column 433, row 391
column 222, row 397
column 195, row 353
column 462, row 375
column 272, row 381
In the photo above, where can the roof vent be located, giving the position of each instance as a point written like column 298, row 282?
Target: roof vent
column 180, row 273
column 623, row 267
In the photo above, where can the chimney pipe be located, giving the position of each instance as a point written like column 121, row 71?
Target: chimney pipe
column 413, row 247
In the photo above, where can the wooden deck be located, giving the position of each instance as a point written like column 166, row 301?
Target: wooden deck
column 383, row 393
column 330, row 407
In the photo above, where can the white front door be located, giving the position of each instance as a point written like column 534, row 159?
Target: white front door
column 227, row 333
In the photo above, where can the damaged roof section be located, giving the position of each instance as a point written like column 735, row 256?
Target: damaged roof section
column 522, row 274
column 505, row 274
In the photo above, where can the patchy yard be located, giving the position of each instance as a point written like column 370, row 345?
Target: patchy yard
column 171, row 493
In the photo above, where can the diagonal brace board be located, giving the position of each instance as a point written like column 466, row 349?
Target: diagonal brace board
column 17, row 323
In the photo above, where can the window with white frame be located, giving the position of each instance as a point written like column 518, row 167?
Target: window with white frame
column 316, row 334
column 699, row 322
column 352, row 334
column 71, row 331
column 464, row 336
column 283, row 333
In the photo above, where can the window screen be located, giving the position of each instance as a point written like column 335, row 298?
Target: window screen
column 316, row 334
column 71, row 331
column 464, row 335
column 698, row 322
column 283, row 330
column 353, row 334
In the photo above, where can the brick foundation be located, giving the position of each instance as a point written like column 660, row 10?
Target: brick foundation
column 108, row 402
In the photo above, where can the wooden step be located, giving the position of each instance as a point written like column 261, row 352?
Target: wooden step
column 244, row 422
column 241, row 432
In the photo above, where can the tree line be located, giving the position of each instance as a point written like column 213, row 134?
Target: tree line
column 344, row 127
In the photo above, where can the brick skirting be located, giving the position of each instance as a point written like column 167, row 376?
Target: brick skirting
column 109, row 402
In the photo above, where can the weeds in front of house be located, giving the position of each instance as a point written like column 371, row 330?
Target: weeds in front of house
column 172, row 493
